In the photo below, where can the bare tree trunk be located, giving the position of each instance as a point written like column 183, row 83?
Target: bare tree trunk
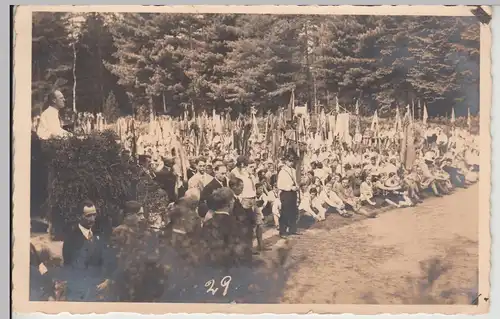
column 308, row 65
column 101, row 80
column 164, row 104
column 151, row 109
column 74, row 77
column 315, row 96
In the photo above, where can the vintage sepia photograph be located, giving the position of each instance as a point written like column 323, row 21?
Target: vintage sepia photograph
column 301, row 156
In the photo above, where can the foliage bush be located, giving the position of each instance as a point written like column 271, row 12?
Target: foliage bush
column 91, row 167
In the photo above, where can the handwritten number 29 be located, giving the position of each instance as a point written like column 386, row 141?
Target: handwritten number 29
column 224, row 284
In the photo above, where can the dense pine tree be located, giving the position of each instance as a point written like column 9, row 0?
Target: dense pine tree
column 167, row 63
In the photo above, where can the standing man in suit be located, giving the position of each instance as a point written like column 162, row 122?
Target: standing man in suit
column 219, row 181
column 244, row 217
column 222, row 232
column 288, row 188
column 167, row 179
column 81, row 247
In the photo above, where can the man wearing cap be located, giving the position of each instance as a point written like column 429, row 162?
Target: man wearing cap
column 288, row 188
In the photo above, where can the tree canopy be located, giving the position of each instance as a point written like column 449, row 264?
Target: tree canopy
column 168, row 63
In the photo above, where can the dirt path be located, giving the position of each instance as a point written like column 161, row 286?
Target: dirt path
column 427, row 254
column 422, row 255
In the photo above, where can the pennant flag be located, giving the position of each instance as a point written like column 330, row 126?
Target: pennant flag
column 342, row 127
column 408, row 153
column 468, row 118
column 301, row 110
column 374, row 126
column 357, row 107
column 408, row 111
column 413, row 110
column 398, row 125
column 453, row 115
column 291, row 106
column 424, row 118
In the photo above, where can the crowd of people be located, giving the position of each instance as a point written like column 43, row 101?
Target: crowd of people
column 333, row 178
column 221, row 201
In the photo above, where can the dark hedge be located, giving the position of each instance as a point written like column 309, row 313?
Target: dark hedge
column 91, row 167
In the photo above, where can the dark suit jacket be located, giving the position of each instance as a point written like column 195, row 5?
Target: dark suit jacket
column 221, row 238
column 74, row 244
column 190, row 172
column 167, row 181
column 205, row 195
column 242, row 215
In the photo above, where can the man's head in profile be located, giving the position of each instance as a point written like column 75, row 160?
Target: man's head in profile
column 56, row 99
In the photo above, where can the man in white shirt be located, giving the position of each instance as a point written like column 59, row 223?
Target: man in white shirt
column 201, row 178
column 50, row 124
column 307, row 204
column 241, row 171
column 288, row 187
column 248, row 197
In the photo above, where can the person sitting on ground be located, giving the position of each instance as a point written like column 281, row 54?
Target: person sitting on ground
column 366, row 191
column 337, row 183
column 351, row 202
column 313, row 206
column 392, row 189
column 472, row 158
column 320, row 173
column 411, row 182
column 471, row 176
column 310, row 177
column 427, row 179
column 456, row 178
column 305, row 202
column 372, row 167
column 442, row 177
column 332, row 201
